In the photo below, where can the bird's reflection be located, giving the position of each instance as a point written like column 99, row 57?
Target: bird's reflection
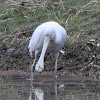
column 38, row 94
column 56, row 94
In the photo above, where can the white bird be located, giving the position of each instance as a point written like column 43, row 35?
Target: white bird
column 48, row 37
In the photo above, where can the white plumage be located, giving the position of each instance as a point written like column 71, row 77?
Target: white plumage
column 48, row 37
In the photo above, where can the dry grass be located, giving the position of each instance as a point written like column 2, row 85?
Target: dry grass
column 19, row 18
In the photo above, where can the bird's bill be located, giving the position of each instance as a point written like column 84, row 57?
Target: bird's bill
column 40, row 65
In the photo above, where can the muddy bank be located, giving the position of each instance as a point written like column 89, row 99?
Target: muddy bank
column 77, row 59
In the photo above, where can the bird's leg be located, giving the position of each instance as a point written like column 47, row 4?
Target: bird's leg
column 33, row 65
column 32, row 68
column 40, row 64
column 55, row 70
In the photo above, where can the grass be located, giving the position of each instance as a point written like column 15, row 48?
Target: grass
column 80, row 18
column 1, row 79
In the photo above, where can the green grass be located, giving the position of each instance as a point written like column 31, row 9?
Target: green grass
column 80, row 19
column 1, row 79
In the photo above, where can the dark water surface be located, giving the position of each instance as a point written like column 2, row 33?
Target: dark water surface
column 19, row 88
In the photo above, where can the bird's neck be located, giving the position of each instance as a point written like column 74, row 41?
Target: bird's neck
column 45, row 46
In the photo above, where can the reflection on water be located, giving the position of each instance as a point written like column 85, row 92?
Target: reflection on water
column 18, row 88
column 38, row 93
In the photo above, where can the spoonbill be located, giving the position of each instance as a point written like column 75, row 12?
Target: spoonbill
column 48, row 37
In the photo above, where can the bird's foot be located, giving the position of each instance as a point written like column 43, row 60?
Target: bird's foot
column 55, row 73
column 56, row 76
column 32, row 75
column 30, row 78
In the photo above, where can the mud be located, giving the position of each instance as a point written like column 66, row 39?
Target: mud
column 81, row 60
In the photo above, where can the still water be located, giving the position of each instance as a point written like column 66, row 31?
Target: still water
column 19, row 88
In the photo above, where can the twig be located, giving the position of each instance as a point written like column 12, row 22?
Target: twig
column 56, row 17
column 62, row 4
column 5, row 20
column 4, row 13
column 96, row 66
column 85, row 6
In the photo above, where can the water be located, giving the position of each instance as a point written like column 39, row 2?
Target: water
column 19, row 88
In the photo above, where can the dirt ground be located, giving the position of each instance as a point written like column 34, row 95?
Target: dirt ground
column 76, row 62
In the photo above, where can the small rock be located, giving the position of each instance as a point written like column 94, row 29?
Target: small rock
column 10, row 50
column 98, row 44
column 61, row 51
column 61, row 86
column 91, row 63
column 92, row 40
column 98, row 56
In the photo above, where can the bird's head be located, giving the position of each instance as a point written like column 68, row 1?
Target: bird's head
column 39, row 68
